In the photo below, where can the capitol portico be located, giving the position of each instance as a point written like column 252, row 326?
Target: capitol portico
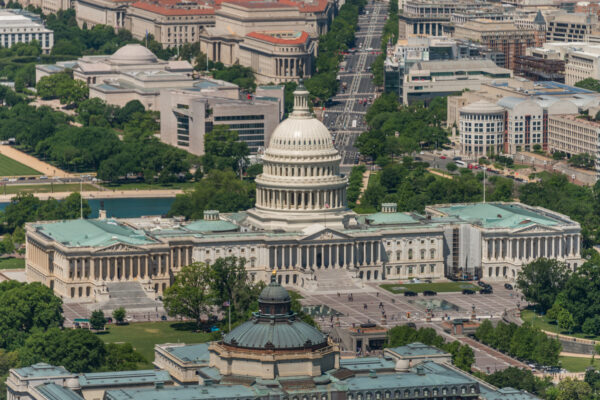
column 301, row 227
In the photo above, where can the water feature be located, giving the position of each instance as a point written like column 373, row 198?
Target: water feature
column 129, row 207
column 435, row 305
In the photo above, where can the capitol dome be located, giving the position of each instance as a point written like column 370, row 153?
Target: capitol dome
column 301, row 183
column 133, row 54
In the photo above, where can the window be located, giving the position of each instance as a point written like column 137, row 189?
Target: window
column 422, row 254
column 410, row 254
column 398, row 255
column 432, row 253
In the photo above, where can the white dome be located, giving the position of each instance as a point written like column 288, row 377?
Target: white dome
column 133, row 54
column 402, row 365
column 301, row 132
column 482, row 107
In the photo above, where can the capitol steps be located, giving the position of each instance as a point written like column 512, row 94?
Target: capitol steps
column 131, row 296
column 336, row 280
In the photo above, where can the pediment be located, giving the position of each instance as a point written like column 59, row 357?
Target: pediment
column 320, row 232
column 535, row 228
column 119, row 248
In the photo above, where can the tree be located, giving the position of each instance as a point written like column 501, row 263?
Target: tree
column 591, row 326
column 97, row 320
column 25, row 308
column 119, row 314
column 569, row 389
column 78, row 350
column 565, row 321
column 229, row 283
column 190, row 294
column 218, row 190
column 542, row 280
column 553, row 312
column 224, row 150
column 520, row 379
column 485, row 332
column 121, row 357
column 464, row 357
column 451, row 167
column 590, row 84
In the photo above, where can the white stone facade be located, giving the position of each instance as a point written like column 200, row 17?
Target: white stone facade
column 18, row 26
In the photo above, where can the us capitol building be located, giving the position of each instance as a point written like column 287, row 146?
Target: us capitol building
column 301, row 227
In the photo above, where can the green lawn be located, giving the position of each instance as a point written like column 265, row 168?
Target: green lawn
column 144, row 335
column 577, row 364
column 437, row 287
column 46, row 188
column 520, row 166
column 10, row 167
column 12, row 263
column 542, row 323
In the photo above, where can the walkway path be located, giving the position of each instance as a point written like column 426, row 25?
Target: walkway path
column 365, row 183
column 32, row 162
column 105, row 194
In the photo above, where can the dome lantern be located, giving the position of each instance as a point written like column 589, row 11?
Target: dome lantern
column 301, row 101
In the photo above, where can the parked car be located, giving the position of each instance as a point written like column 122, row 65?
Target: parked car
column 429, row 293
column 486, row 291
column 410, row 293
column 468, row 291
column 411, row 325
column 508, row 286
column 482, row 283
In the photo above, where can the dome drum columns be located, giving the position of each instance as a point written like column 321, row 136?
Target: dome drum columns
column 301, row 199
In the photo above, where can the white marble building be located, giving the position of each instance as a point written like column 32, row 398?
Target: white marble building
column 301, row 227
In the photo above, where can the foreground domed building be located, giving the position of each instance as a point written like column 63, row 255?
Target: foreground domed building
column 273, row 356
column 302, row 228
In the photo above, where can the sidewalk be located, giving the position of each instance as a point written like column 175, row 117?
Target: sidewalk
column 105, row 194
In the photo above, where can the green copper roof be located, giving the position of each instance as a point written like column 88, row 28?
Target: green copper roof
column 416, row 349
column 499, row 215
column 196, row 353
column 120, row 378
column 92, row 232
column 391, row 218
column 183, row 393
column 40, row 370
column 52, row 391
column 288, row 335
column 211, row 226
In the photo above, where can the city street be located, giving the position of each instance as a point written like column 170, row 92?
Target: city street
column 345, row 114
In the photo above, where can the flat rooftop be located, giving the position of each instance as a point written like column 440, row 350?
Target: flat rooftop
column 417, row 349
column 499, row 215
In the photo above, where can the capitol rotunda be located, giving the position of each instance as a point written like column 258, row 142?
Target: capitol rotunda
column 301, row 183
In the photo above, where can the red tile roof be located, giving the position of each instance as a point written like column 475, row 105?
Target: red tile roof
column 278, row 40
column 159, row 9
column 258, row 4
column 316, row 6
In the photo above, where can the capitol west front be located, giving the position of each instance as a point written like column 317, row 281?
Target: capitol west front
column 301, row 227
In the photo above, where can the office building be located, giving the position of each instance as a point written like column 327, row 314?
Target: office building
column 47, row 6
column 501, row 36
column 572, row 135
column 186, row 115
column 570, row 27
column 481, row 128
column 428, row 79
column 278, row 41
column 18, row 26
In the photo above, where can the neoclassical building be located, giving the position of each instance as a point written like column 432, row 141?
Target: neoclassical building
column 301, row 227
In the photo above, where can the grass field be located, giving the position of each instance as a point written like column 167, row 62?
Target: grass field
column 143, row 336
column 10, row 167
column 540, row 321
column 12, row 263
column 577, row 364
column 46, row 188
column 437, row 287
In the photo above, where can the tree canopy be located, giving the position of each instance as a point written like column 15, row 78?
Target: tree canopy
column 218, row 190
column 190, row 294
column 25, row 308
column 541, row 281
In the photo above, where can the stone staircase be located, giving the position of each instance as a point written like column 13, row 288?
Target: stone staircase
column 131, row 296
column 336, row 280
